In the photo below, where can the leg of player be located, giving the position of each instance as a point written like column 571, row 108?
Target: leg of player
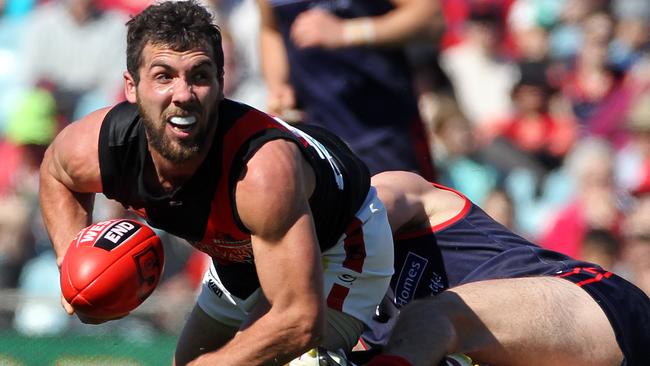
column 520, row 321
column 342, row 331
column 201, row 334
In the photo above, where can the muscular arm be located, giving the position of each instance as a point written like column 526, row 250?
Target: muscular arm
column 69, row 177
column 272, row 200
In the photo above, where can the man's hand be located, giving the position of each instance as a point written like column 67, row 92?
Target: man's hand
column 70, row 310
column 317, row 28
column 281, row 102
column 84, row 319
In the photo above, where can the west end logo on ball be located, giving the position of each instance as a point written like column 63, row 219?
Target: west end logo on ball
column 115, row 235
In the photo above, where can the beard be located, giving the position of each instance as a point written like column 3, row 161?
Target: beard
column 172, row 150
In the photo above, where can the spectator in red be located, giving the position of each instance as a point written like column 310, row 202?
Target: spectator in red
column 533, row 129
column 591, row 82
column 596, row 202
column 481, row 76
column 457, row 13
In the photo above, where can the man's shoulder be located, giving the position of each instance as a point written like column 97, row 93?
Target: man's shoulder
column 123, row 111
column 230, row 110
column 120, row 123
column 85, row 128
column 247, row 126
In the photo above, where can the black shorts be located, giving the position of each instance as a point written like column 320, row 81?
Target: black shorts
column 626, row 307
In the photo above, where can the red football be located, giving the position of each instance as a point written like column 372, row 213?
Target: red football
column 111, row 267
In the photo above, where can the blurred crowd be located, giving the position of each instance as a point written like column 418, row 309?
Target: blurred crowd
column 537, row 110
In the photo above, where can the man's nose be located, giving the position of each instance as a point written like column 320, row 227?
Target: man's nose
column 182, row 92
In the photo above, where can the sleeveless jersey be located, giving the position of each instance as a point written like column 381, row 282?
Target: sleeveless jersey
column 363, row 94
column 203, row 209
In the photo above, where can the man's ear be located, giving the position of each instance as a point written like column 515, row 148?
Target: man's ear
column 129, row 87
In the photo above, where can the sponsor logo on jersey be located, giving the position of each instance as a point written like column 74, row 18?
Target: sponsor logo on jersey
column 115, row 235
column 215, row 288
column 436, row 284
column 347, row 278
column 227, row 249
column 409, row 278
column 148, row 268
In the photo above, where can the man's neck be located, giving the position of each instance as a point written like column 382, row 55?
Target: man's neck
column 171, row 175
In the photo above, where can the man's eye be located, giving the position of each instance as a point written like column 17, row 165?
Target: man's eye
column 163, row 77
column 201, row 76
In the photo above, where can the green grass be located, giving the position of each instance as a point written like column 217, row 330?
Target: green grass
column 83, row 350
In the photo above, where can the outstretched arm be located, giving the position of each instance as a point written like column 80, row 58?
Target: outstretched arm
column 69, row 177
column 272, row 201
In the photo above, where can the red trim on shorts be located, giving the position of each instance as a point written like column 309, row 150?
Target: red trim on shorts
column 598, row 278
column 355, row 246
column 599, row 275
column 443, row 225
column 336, row 297
column 361, row 344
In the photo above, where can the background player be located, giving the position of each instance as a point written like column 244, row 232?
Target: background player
column 343, row 64
column 498, row 297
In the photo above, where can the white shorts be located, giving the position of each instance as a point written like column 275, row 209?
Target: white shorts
column 357, row 272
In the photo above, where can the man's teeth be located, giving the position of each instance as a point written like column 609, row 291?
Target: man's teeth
column 183, row 121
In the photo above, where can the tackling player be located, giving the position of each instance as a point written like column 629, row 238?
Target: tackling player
column 498, row 298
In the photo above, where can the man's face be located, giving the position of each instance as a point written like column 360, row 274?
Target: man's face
column 178, row 97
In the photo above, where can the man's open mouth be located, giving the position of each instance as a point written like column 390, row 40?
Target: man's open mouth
column 182, row 123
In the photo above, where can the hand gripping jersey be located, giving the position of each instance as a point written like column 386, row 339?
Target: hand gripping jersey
column 203, row 210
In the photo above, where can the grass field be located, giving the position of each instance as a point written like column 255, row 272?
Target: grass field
column 85, row 350
column 140, row 339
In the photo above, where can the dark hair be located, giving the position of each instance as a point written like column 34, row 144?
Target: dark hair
column 179, row 25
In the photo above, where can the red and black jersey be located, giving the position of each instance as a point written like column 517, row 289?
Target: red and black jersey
column 203, row 210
